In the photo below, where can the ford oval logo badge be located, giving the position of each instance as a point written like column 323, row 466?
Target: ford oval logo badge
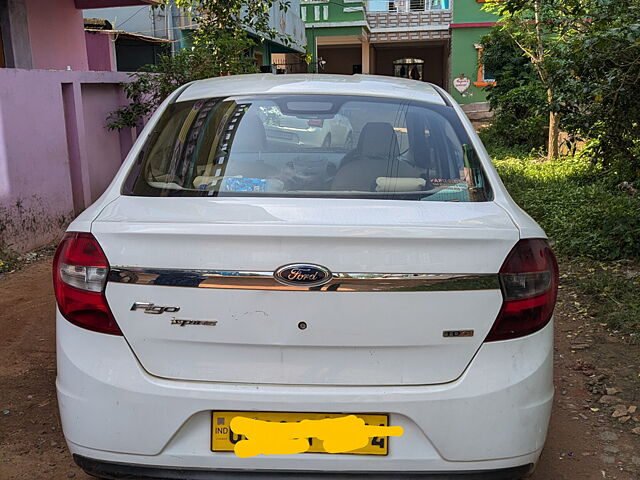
column 302, row 275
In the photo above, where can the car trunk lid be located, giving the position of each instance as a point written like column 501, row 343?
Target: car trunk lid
column 417, row 279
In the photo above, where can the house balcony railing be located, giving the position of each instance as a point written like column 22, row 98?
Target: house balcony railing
column 408, row 20
column 406, row 6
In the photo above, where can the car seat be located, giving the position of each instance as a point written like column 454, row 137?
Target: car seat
column 376, row 155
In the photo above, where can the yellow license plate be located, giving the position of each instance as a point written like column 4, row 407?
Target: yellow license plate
column 223, row 439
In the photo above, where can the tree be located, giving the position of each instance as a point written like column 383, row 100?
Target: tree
column 225, row 33
column 586, row 53
column 537, row 27
column 597, row 83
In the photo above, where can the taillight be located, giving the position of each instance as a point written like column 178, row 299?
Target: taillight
column 316, row 122
column 80, row 270
column 529, row 282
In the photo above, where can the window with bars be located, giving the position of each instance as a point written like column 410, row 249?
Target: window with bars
column 405, row 6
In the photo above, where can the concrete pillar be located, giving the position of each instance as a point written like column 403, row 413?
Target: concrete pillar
column 76, row 148
column 366, row 56
column 372, row 60
column 15, row 34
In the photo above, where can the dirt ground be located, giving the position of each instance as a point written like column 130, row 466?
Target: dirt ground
column 585, row 442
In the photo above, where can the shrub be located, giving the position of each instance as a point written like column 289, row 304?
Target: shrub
column 577, row 204
column 520, row 120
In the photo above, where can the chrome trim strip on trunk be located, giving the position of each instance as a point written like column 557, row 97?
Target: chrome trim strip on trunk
column 341, row 282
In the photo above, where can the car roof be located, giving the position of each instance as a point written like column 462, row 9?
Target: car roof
column 363, row 85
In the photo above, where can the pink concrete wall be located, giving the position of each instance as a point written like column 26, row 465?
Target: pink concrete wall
column 33, row 160
column 100, row 51
column 56, row 32
column 56, row 157
column 97, row 102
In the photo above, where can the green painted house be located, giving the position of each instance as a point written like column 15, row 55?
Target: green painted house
column 435, row 41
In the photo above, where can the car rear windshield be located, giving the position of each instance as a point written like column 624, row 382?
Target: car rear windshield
column 326, row 146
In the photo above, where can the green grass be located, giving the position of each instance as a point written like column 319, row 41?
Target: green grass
column 578, row 205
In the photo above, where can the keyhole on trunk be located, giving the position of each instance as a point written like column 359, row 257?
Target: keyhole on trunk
column 302, row 325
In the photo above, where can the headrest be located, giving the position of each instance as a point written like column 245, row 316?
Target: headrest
column 251, row 136
column 378, row 140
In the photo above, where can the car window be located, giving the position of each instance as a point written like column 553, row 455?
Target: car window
column 309, row 146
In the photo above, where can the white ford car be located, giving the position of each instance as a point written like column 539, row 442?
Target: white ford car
column 223, row 277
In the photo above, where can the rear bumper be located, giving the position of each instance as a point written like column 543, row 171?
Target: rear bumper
column 494, row 417
column 110, row 470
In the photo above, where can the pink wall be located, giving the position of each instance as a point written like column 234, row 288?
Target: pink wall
column 100, row 51
column 56, row 32
column 97, row 102
column 56, row 157
column 33, row 160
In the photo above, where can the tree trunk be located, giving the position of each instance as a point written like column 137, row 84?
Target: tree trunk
column 553, row 147
column 554, row 137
